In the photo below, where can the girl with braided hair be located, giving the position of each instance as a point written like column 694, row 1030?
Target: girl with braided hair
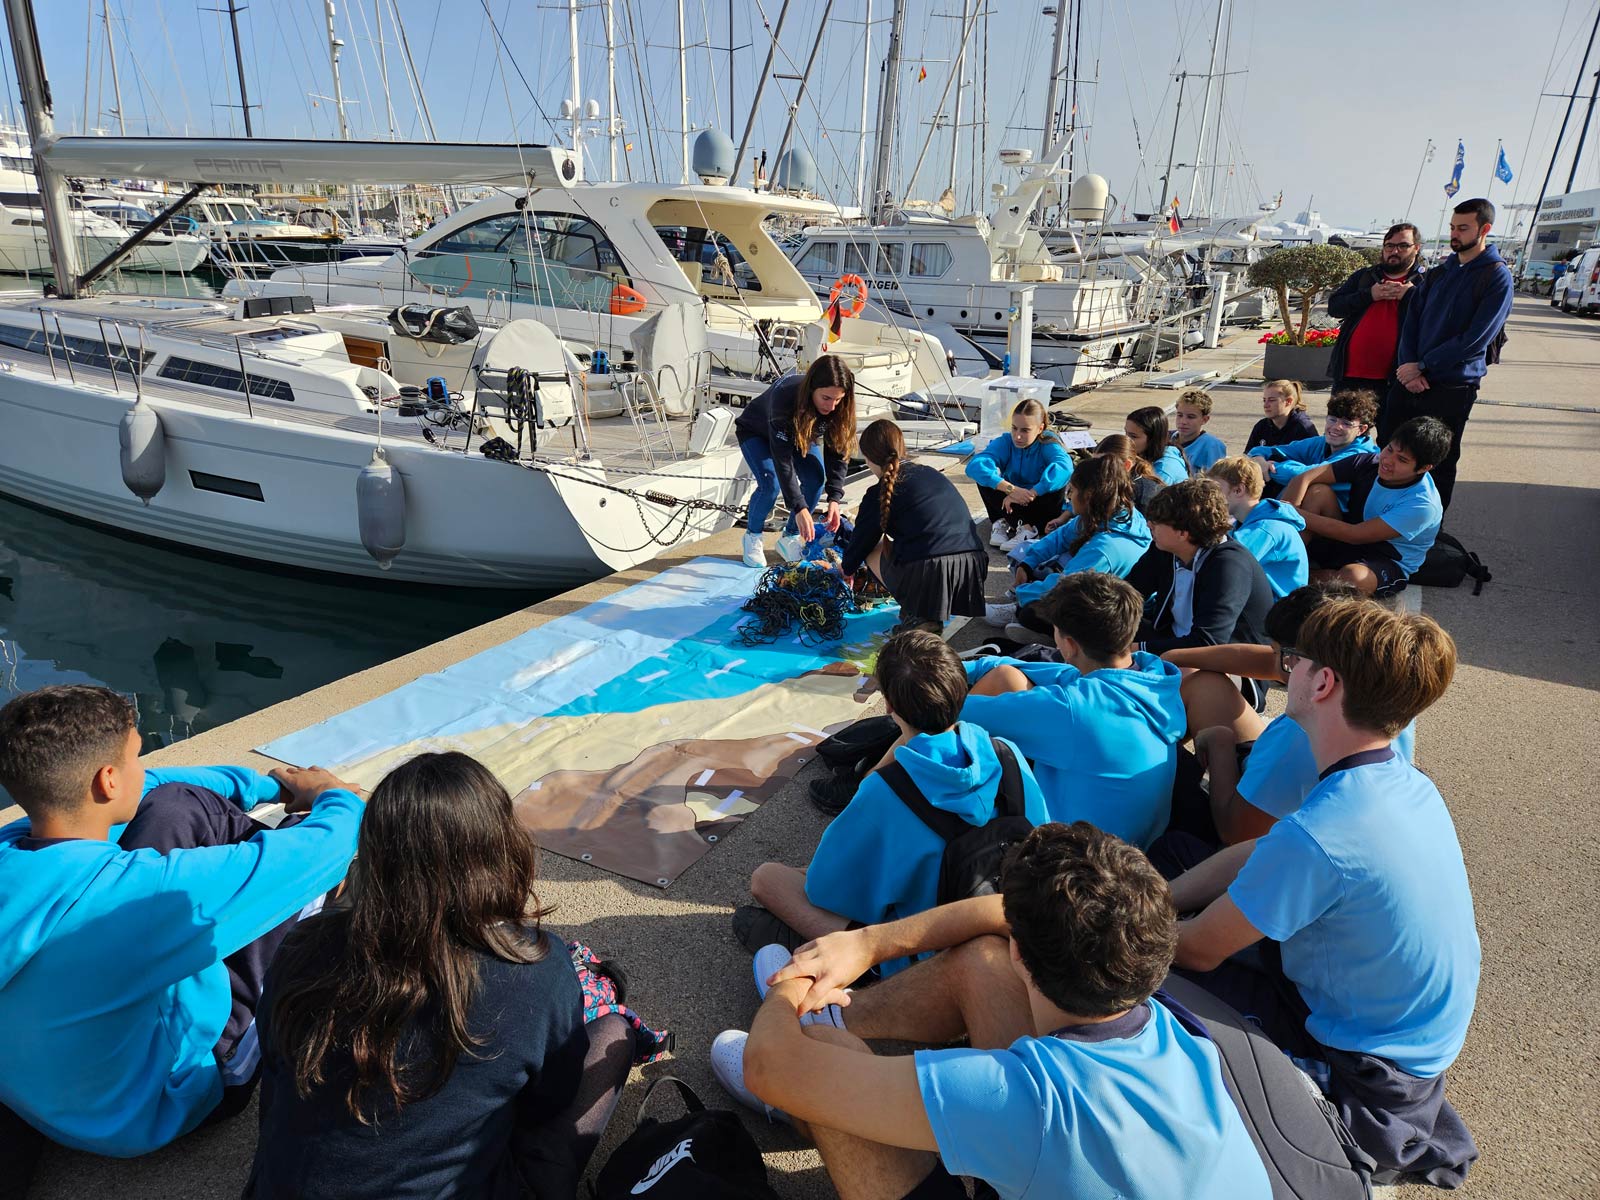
column 1107, row 534
column 915, row 535
column 1146, row 483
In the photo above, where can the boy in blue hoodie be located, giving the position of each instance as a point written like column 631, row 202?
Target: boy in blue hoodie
column 1269, row 529
column 1348, row 430
column 1190, row 416
column 878, row 861
column 1022, row 476
column 138, row 911
column 1102, row 726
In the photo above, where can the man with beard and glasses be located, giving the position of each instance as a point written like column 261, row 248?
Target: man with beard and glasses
column 1371, row 305
column 1452, row 319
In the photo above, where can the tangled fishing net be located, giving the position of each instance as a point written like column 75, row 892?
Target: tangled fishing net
column 811, row 594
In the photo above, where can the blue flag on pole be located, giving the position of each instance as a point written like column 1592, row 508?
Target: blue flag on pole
column 1502, row 169
column 1454, row 186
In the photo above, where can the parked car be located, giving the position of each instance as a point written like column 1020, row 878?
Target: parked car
column 1581, row 292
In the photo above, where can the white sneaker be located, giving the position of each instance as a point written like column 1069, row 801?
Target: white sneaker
column 998, row 533
column 755, row 554
column 768, row 961
column 790, row 548
column 727, row 1064
column 999, row 615
column 1023, row 535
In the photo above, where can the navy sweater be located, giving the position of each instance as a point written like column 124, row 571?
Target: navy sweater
column 1454, row 316
column 1231, row 597
column 927, row 518
column 771, row 416
column 457, row 1141
column 1265, row 433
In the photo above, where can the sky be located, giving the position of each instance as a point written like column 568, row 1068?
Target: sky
column 1333, row 106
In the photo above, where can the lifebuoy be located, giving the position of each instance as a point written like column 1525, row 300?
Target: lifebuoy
column 859, row 304
column 625, row 301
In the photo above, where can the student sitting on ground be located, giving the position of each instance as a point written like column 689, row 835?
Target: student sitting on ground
column 1283, row 402
column 425, row 1036
column 1022, row 476
column 915, row 533
column 1105, row 534
column 1369, row 965
column 878, row 861
column 1278, row 770
column 1193, row 412
column 1078, row 1081
column 1146, row 428
column 138, row 911
column 1101, row 727
column 1349, row 424
column 1389, row 522
column 1218, row 592
column 1146, row 483
column 1269, row 529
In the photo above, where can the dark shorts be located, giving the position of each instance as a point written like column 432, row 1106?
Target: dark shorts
column 938, row 1184
column 1377, row 557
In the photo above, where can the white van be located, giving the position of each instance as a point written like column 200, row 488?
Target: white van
column 1582, row 281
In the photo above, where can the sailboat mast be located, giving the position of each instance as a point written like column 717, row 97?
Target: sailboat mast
column 335, row 47
column 611, row 89
column 1205, row 110
column 955, row 121
column 1052, row 95
column 238, row 61
column 761, row 86
column 683, row 98
column 116, row 83
column 805, row 78
column 37, row 108
column 383, row 66
column 1172, row 147
column 572, row 59
column 888, row 103
column 1216, row 188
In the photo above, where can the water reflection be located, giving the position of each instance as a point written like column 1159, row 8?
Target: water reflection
column 196, row 643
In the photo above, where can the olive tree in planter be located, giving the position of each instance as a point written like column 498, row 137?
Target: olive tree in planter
column 1299, row 352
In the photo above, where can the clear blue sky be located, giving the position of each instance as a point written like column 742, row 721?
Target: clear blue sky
column 1337, row 106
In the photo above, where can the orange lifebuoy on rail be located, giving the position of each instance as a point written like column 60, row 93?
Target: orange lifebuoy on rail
column 859, row 304
column 625, row 301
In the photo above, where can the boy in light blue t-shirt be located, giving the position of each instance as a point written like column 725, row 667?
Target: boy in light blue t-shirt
column 1392, row 514
column 1080, row 1079
column 1190, row 416
column 1368, row 971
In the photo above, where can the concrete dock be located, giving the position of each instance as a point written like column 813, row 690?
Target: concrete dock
column 1512, row 748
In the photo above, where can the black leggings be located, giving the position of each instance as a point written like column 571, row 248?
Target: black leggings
column 1038, row 512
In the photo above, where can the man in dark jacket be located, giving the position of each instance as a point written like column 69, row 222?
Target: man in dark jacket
column 1371, row 305
column 1455, row 314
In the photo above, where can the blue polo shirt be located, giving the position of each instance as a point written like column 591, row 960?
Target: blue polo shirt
column 1365, row 889
column 1280, row 772
column 1133, row 1108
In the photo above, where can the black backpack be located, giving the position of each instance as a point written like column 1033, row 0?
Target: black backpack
column 1491, row 352
column 706, row 1154
column 973, row 854
column 1448, row 563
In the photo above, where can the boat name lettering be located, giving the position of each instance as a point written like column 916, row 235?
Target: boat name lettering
column 239, row 166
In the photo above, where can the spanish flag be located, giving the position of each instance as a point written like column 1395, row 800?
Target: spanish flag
column 922, row 74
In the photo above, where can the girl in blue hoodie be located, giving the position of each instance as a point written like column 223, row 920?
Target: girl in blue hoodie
column 1148, row 431
column 1269, row 529
column 877, row 861
column 1022, row 476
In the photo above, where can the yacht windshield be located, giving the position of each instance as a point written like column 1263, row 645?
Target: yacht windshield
column 534, row 257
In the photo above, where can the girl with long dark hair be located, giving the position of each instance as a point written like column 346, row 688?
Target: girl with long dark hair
column 797, row 437
column 1146, row 483
column 425, row 1036
column 1105, row 534
column 1148, row 431
column 915, row 534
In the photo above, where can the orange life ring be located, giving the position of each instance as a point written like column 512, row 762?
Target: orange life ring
column 859, row 304
column 625, row 301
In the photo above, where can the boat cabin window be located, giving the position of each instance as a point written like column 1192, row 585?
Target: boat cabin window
column 891, row 258
column 540, row 258
column 21, row 200
column 12, row 162
column 929, row 258
column 856, row 259
column 227, row 379
column 708, row 257
column 84, row 351
column 821, row 258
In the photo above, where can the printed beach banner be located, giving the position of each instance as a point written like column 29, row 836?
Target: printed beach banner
column 632, row 734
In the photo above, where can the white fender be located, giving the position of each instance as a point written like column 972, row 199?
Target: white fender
column 381, row 509
column 144, row 451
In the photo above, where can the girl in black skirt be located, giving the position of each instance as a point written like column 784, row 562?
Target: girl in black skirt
column 915, row 534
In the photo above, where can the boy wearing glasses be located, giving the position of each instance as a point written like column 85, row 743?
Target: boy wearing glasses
column 1355, row 910
column 1370, row 306
column 1348, row 430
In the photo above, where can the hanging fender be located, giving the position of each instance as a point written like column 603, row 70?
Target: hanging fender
column 381, row 509
column 144, row 451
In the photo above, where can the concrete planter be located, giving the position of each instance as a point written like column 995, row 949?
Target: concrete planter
column 1308, row 364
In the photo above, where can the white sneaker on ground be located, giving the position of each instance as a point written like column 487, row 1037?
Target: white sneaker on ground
column 998, row 533
column 755, row 553
column 727, row 1064
column 999, row 615
column 1024, row 636
column 768, row 961
column 1023, row 535
column 790, row 547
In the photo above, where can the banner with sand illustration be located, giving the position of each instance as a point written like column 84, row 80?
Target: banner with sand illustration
column 633, row 733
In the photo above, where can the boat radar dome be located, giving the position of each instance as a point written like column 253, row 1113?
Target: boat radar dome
column 713, row 156
column 1087, row 199
column 1016, row 158
column 796, row 172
